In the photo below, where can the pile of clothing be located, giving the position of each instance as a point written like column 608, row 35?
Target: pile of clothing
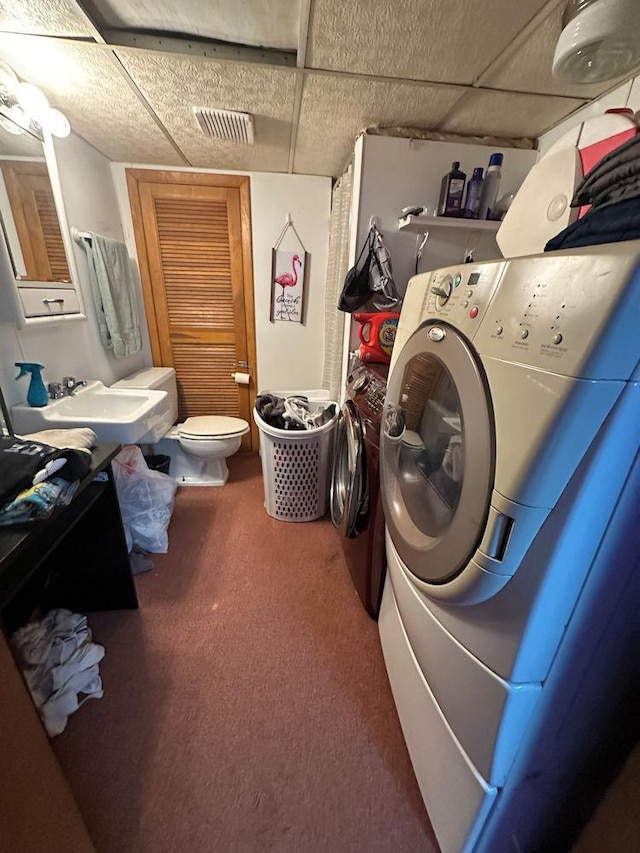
column 41, row 471
column 612, row 188
column 59, row 662
column 292, row 413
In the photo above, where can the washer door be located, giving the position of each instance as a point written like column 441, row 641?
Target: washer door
column 348, row 481
column 437, row 453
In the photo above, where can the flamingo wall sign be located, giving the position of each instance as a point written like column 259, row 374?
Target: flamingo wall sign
column 288, row 278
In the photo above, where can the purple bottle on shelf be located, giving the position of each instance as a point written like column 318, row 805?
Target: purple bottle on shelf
column 474, row 189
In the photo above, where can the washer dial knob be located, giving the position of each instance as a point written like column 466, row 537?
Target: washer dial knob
column 443, row 291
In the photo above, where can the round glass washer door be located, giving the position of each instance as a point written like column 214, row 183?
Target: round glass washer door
column 349, row 472
column 437, row 456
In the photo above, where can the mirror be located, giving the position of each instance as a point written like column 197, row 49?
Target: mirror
column 28, row 211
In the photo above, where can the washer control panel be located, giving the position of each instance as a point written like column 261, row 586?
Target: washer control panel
column 559, row 312
column 460, row 295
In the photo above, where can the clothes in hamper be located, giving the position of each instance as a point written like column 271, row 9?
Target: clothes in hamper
column 291, row 413
column 613, row 223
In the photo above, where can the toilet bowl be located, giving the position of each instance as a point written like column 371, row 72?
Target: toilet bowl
column 199, row 447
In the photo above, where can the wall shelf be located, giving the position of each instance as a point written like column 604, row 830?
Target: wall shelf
column 423, row 224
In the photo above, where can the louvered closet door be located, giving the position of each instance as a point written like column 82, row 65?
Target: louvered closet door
column 193, row 237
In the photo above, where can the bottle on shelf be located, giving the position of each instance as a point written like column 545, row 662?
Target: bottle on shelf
column 490, row 187
column 452, row 192
column 474, row 190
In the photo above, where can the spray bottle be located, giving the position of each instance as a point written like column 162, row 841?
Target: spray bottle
column 37, row 393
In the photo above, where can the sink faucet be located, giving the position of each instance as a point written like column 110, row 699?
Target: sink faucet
column 70, row 384
column 56, row 391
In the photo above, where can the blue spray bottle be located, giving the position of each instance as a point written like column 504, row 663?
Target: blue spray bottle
column 37, row 393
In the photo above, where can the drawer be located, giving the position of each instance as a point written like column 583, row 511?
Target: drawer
column 49, row 301
column 488, row 715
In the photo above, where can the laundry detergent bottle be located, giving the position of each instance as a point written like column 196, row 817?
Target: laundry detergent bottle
column 37, row 393
column 377, row 333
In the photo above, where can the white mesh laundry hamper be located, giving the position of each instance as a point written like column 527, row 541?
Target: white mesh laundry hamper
column 296, row 467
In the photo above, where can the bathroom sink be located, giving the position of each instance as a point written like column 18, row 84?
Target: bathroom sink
column 113, row 414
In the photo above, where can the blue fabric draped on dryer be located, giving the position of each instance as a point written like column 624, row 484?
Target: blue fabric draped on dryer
column 113, row 295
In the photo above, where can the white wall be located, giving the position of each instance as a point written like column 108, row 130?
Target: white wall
column 397, row 173
column 626, row 95
column 290, row 355
column 72, row 347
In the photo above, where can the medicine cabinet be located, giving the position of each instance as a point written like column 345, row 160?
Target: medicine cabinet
column 38, row 265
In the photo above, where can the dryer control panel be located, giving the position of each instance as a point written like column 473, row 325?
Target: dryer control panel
column 574, row 313
column 461, row 295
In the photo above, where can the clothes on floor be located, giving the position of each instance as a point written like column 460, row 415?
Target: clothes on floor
column 292, row 413
column 59, row 662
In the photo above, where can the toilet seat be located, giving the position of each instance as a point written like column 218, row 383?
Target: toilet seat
column 212, row 428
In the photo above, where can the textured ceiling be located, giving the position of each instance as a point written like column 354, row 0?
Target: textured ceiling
column 43, row 17
column 269, row 23
column 352, row 104
column 459, row 66
column 452, row 41
column 266, row 93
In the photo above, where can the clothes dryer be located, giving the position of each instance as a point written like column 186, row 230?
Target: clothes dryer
column 356, row 506
column 509, row 470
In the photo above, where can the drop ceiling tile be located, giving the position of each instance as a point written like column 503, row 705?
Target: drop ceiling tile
column 507, row 113
column 84, row 82
column 174, row 85
column 334, row 110
column 44, row 17
column 262, row 23
column 526, row 65
column 440, row 40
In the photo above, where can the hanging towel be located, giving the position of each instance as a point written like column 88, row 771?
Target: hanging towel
column 113, row 295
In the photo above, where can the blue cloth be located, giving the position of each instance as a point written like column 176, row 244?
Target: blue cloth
column 611, row 224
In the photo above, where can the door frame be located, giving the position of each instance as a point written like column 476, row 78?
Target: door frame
column 168, row 176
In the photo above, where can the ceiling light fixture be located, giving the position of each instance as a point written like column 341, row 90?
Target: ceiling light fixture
column 25, row 107
column 600, row 40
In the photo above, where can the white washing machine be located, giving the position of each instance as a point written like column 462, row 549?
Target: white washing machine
column 509, row 466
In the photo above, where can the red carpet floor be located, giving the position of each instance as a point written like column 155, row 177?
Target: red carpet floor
column 246, row 703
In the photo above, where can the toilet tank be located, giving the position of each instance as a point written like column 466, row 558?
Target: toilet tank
column 156, row 379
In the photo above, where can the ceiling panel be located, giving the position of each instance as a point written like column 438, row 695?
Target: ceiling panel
column 335, row 110
column 83, row 81
column 507, row 114
column 264, row 23
column 174, row 85
column 526, row 66
column 43, row 17
column 440, row 40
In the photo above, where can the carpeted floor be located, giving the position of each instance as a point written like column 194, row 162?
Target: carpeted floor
column 246, row 703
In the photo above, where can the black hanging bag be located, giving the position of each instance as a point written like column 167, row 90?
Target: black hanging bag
column 356, row 289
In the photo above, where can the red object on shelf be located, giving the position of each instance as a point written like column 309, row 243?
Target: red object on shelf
column 377, row 333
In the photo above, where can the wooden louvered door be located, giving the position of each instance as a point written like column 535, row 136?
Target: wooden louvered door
column 193, row 239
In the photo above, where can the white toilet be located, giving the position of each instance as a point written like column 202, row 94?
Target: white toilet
column 199, row 447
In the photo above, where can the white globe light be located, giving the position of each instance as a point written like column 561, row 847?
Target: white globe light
column 56, row 123
column 32, row 100
column 12, row 120
column 600, row 42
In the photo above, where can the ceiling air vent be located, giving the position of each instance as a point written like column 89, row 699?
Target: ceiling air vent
column 225, row 124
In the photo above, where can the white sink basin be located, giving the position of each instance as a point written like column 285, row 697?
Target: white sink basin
column 113, row 414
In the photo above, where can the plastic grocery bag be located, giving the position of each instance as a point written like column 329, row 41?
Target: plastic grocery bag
column 146, row 501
